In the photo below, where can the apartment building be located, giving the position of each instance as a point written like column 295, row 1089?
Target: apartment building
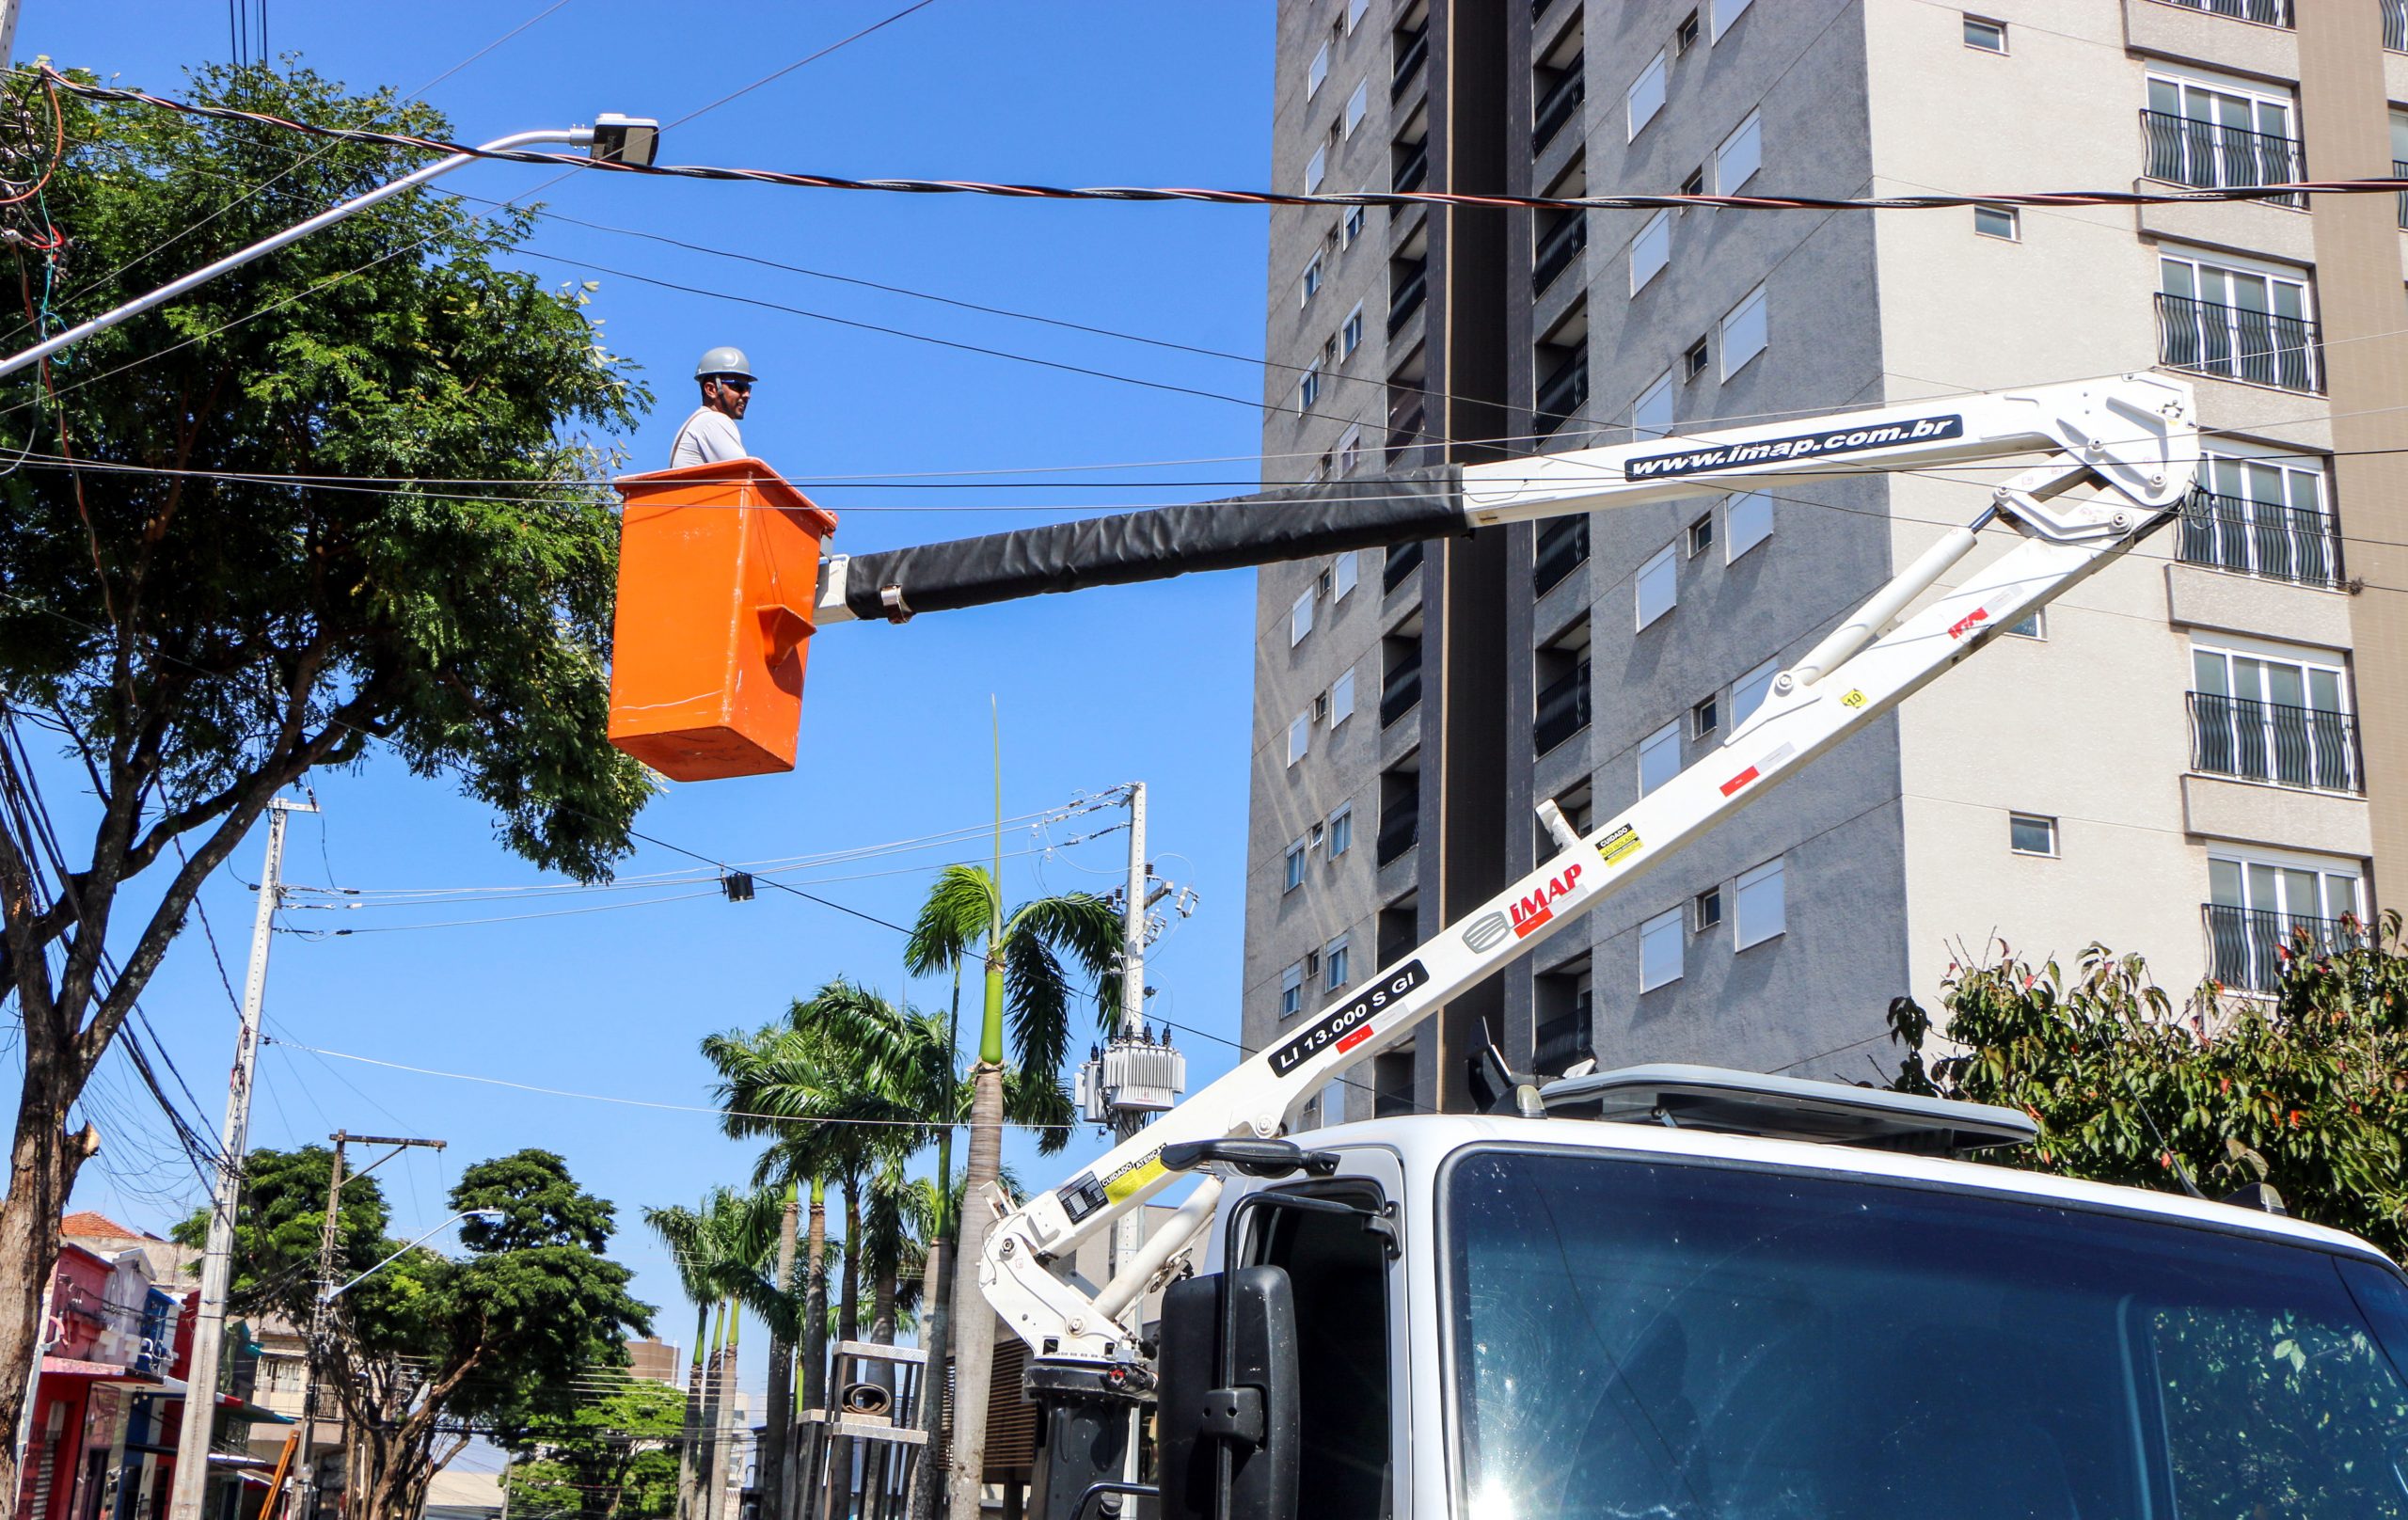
column 2197, row 755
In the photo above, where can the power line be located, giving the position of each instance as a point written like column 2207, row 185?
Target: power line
column 2283, row 190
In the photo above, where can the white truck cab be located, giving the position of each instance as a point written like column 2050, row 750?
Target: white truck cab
column 1565, row 1319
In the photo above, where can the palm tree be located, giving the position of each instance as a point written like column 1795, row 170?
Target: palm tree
column 1021, row 954
column 718, row 1250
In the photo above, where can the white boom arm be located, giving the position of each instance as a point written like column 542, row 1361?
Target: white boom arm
column 2133, row 439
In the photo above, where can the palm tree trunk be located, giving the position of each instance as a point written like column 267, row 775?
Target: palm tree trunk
column 814, row 1351
column 692, row 1431
column 881, row 1333
column 707, row 1444
column 974, row 1322
column 778, row 1426
column 926, row 1472
column 724, row 1504
column 849, row 1327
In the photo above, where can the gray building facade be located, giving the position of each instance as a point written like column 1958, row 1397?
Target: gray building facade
column 2197, row 755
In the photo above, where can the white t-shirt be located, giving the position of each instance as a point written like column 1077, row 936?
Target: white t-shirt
column 708, row 437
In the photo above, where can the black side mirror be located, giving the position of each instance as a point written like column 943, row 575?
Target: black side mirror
column 1228, row 1406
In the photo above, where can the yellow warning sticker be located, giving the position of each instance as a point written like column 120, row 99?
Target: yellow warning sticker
column 1854, row 697
column 1131, row 1177
column 1621, row 843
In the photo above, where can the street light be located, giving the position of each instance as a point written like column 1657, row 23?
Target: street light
column 490, row 1216
column 612, row 138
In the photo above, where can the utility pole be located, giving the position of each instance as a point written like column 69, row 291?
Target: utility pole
column 217, row 1259
column 8, row 13
column 312, row 1348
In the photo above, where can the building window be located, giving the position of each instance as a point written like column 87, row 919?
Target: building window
column 1291, row 993
column 1341, row 699
column 1701, row 535
column 1661, row 943
column 1748, row 691
column 1318, row 72
column 1300, row 733
column 2028, row 833
column 1989, row 36
column 1341, row 830
column 1758, row 909
column 1684, row 35
column 1308, row 389
column 1311, row 285
column 1646, row 96
column 2262, row 515
column 1352, row 227
column 1747, row 521
column 1334, row 964
column 1343, row 576
column 1705, row 909
column 1695, row 183
column 1356, row 104
column 1651, row 415
column 2216, row 132
column 1350, row 336
column 1660, row 757
column 2244, row 323
column 1744, row 333
column 1997, row 222
column 1651, row 251
column 2262, row 714
column 1300, row 619
column 2265, row 907
column 1694, row 361
column 1561, row 676
column 1350, row 453
column 1316, row 169
column 1658, row 586
column 1321, row 708
column 2034, row 627
column 1354, row 9
column 1295, row 868
column 1725, row 12
column 1705, row 718
column 1741, row 154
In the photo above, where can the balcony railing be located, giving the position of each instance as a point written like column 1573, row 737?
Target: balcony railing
column 2248, row 947
column 1560, row 394
column 2211, row 156
column 1401, row 691
column 1403, row 559
column 1405, row 430
column 1563, row 544
column 2261, row 347
column 2395, row 26
column 1559, row 106
column 1400, row 828
column 1411, row 169
column 1411, row 53
column 1407, row 298
column 1563, row 708
column 2306, row 747
column 2264, row 12
column 1558, row 248
column 2399, row 171
column 1564, row 1038
column 2260, row 538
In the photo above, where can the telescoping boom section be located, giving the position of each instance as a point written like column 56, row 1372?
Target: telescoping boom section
column 2116, row 458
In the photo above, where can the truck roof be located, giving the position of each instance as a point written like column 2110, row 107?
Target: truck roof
column 1424, row 1142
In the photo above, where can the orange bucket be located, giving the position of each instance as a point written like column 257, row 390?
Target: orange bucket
column 717, row 568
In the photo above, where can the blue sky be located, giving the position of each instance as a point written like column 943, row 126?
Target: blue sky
column 1094, row 689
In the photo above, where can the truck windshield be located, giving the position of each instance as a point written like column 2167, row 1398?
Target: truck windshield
column 1708, row 1342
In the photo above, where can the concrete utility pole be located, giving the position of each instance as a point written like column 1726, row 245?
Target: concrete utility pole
column 329, row 1241
column 1130, row 1232
column 8, row 13
column 217, row 1259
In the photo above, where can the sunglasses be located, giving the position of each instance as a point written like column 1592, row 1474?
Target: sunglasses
column 742, row 388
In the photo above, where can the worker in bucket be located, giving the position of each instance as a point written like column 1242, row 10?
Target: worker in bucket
column 710, row 436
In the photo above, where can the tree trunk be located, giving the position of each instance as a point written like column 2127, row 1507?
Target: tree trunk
column 724, row 1504
column 778, row 1422
column 881, row 1333
column 974, row 1322
column 814, row 1351
column 690, row 1432
column 849, row 1327
column 928, row 1474
column 42, row 1162
column 706, row 1452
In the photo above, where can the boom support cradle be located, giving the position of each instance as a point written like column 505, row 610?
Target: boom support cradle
column 2132, row 440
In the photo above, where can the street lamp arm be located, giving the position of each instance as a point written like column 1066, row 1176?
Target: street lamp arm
column 327, row 1295
column 574, row 136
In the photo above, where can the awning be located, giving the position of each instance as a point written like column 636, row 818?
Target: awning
column 69, row 1366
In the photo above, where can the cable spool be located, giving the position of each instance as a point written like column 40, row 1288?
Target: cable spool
column 865, row 1401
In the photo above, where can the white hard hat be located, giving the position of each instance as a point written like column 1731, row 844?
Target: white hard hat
column 717, row 361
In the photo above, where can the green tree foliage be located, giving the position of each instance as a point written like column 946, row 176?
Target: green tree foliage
column 427, row 1347
column 192, row 625
column 2307, row 1093
column 614, row 1458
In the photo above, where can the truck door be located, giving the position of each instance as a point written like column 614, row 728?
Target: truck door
column 1342, row 1261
